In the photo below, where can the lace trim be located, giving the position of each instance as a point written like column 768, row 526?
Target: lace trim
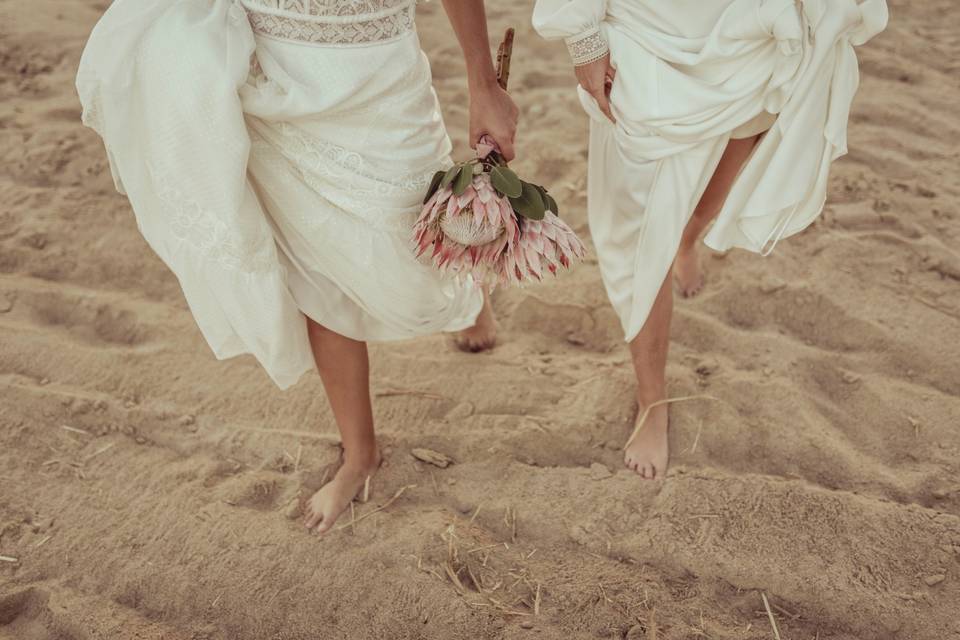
column 587, row 47
column 360, row 29
column 330, row 7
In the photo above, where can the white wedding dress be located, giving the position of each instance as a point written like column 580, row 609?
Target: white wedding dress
column 691, row 75
column 275, row 153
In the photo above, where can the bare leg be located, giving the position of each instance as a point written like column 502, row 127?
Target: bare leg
column 483, row 334
column 344, row 370
column 686, row 266
column 648, row 454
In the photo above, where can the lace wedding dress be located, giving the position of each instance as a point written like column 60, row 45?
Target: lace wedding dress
column 275, row 153
column 690, row 76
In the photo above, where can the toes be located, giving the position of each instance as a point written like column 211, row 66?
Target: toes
column 313, row 519
column 326, row 525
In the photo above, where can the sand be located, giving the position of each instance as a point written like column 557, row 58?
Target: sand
column 150, row 491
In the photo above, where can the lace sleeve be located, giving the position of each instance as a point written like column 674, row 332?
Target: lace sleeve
column 587, row 47
column 577, row 22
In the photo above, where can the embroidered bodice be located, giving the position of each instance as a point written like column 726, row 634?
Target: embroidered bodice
column 331, row 7
column 332, row 22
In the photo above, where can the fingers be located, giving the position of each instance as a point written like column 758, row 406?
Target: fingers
column 504, row 142
column 603, row 101
column 506, row 149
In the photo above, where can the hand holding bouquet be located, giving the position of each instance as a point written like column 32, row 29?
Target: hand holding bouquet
column 480, row 218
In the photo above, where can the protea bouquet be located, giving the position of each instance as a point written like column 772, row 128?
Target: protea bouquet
column 480, row 218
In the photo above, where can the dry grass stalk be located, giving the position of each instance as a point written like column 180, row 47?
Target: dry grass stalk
column 484, row 548
column 773, row 621
column 794, row 616
column 9, row 559
column 75, row 430
column 43, row 542
column 651, row 406
column 296, row 463
column 696, row 439
column 380, row 508
column 390, row 393
column 536, row 601
column 453, row 577
column 103, row 449
column 366, row 490
column 475, row 513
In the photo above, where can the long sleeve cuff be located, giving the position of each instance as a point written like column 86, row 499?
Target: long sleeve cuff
column 587, row 46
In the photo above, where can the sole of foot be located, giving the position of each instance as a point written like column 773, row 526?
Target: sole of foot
column 648, row 453
column 326, row 505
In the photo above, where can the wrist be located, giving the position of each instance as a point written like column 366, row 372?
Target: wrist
column 587, row 46
column 482, row 80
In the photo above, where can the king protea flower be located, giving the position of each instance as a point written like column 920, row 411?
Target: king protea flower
column 471, row 224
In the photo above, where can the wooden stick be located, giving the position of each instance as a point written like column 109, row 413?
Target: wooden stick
column 504, row 54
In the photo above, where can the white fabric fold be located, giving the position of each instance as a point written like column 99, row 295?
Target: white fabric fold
column 272, row 195
column 563, row 19
column 690, row 76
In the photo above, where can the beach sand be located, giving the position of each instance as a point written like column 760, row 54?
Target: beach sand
column 150, row 491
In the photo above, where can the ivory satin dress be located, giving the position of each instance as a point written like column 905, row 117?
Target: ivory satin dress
column 691, row 75
column 275, row 154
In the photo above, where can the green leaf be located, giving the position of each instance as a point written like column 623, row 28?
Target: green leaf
column 552, row 205
column 434, row 185
column 548, row 202
column 529, row 204
column 463, row 181
column 450, row 176
column 506, row 182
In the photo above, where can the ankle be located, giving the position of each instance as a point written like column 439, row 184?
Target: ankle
column 362, row 458
column 650, row 399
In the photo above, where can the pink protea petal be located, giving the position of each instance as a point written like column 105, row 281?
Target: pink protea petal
column 484, row 190
column 467, row 196
column 453, row 207
column 479, row 212
column 533, row 261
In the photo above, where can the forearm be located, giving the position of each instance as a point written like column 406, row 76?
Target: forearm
column 469, row 21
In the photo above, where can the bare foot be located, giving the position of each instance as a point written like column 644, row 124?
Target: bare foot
column 648, row 453
column 483, row 334
column 687, row 272
column 326, row 505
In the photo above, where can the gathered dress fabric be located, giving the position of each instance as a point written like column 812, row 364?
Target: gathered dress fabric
column 690, row 76
column 275, row 154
